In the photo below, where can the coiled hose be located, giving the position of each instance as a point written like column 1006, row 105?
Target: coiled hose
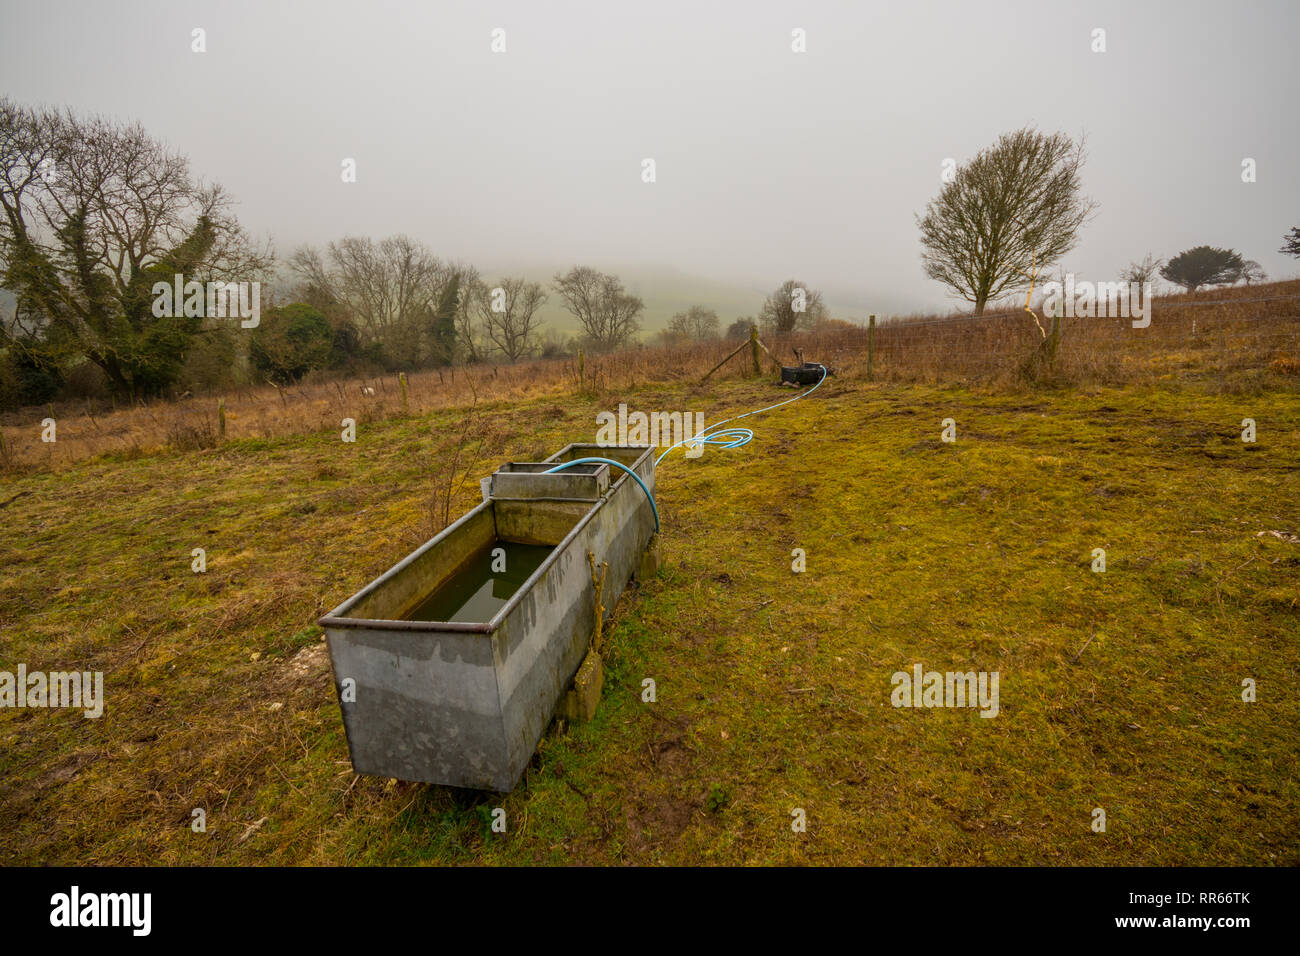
column 727, row 438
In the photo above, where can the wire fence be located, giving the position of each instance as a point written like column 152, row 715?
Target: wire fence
column 1244, row 342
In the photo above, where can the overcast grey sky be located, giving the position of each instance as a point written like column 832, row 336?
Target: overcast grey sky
column 770, row 164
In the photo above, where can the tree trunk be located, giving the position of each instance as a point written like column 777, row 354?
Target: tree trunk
column 117, row 380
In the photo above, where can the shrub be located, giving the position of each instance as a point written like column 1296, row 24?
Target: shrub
column 290, row 341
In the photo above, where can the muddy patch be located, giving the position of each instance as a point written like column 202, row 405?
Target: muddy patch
column 656, row 819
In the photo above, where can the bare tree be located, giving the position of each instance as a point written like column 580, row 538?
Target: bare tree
column 508, row 313
column 609, row 316
column 1007, row 214
column 471, row 341
column 389, row 288
column 1252, row 272
column 792, row 306
column 696, row 324
column 1144, row 271
column 93, row 213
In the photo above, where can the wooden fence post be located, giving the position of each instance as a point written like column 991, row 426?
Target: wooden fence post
column 871, row 349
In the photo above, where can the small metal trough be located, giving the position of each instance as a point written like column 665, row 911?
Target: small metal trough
column 464, row 702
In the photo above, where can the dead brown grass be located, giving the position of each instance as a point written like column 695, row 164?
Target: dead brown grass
column 1235, row 343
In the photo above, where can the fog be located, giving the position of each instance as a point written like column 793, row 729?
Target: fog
column 770, row 164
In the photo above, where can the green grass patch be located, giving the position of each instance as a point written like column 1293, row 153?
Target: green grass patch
column 1119, row 690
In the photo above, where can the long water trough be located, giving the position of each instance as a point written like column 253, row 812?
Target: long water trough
column 450, row 665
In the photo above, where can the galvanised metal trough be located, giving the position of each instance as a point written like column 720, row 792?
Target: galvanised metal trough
column 465, row 700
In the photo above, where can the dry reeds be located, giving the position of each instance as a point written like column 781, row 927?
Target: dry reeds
column 1233, row 339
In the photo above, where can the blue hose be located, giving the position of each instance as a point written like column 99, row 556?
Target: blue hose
column 736, row 437
column 727, row 438
column 616, row 464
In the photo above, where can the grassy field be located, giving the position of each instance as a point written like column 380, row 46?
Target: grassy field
column 1119, row 690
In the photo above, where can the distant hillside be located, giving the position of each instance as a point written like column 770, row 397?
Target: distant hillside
column 667, row 291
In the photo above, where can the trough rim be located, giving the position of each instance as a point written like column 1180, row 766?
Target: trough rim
column 337, row 617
